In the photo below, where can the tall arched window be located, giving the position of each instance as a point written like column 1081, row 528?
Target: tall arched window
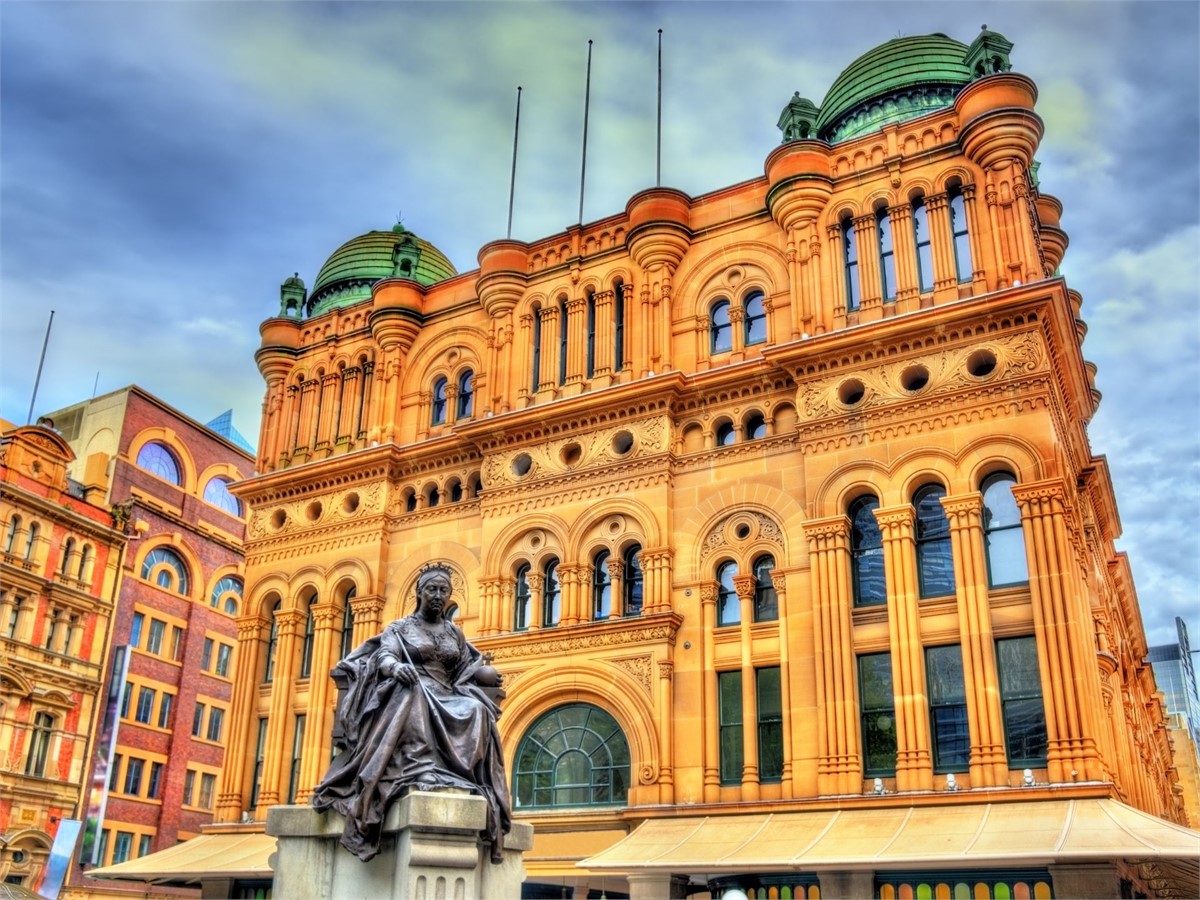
column 618, row 325
column 720, row 331
column 348, row 622
column 437, row 408
column 562, row 340
column 850, row 264
column 755, row 427
column 921, row 239
column 1002, row 534
column 631, row 600
column 574, row 755
column 591, row 333
column 272, row 644
column 755, row 322
column 217, row 493
column 31, row 540
column 866, row 553
column 85, row 557
column 10, row 539
column 887, row 255
column 729, row 610
column 39, row 744
column 537, row 349
column 935, row 562
column 466, row 395
column 227, row 594
column 306, row 649
column 164, row 567
column 156, row 458
column 67, row 549
column 962, row 240
column 726, row 434
column 601, row 586
column 551, row 594
column 521, row 600
column 766, row 601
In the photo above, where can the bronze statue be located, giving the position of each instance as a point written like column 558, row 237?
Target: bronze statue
column 416, row 710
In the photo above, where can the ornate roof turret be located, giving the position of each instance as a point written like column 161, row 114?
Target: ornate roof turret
column 292, row 295
column 798, row 121
column 988, row 54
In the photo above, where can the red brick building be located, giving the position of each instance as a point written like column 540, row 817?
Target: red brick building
column 179, row 598
column 59, row 561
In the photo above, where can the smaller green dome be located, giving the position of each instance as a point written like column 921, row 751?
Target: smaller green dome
column 353, row 268
column 901, row 79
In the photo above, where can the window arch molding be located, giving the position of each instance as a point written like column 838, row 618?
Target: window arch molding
column 170, row 561
column 574, row 755
column 226, row 591
column 169, row 439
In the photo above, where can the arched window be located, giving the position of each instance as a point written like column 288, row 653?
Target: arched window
column 217, row 493
column 850, row 264
column 755, row 321
column 67, row 549
column 958, row 230
column 164, row 567
column 1002, row 534
column 437, row 409
column 85, row 557
column 456, row 491
column 306, row 649
column 766, row 601
column 521, row 600
column 410, row 501
column 31, row 540
column 156, row 458
column 591, row 333
column 755, row 427
column 935, row 564
column 227, row 594
column 39, row 744
column 537, row 349
column 601, row 586
column 631, row 600
column 10, row 539
column 618, row 325
column 866, row 553
column 451, row 613
column 562, row 340
column 551, row 594
column 921, row 239
column 720, row 331
column 466, row 395
column 725, row 434
column 887, row 255
column 272, row 644
column 729, row 609
column 433, row 497
column 574, row 755
column 348, row 622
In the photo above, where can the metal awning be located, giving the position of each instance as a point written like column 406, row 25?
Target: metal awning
column 1019, row 833
column 244, row 855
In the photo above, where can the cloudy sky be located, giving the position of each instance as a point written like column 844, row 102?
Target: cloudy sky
column 164, row 166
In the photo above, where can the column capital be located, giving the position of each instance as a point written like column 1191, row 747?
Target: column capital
column 1051, row 490
column 896, row 517
column 966, row 507
column 708, row 593
column 745, row 585
column 289, row 620
column 832, row 527
column 249, row 627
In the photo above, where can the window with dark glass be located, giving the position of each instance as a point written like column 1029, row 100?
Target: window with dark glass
column 729, row 723
column 618, row 326
column 171, row 571
column 189, row 786
column 726, row 435
column 208, row 787
column 206, row 654
column 755, row 427
column 39, row 744
column 260, row 748
column 1003, row 538
column 347, row 623
column 1021, row 702
column 437, row 408
column 156, row 458
column 114, row 777
column 720, row 330
column 122, row 846
column 466, row 395
column 537, row 349
column 878, row 708
column 135, row 629
column 729, row 608
column 224, row 654
column 154, row 640
column 164, row 710
column 866, row 553
column 948, row 709
column 921, row 238
column 551, row 594
column 562, row 340
column 632, row 583
column 850, row 264
column 887, row 255
column 31, row 539
column 67, row 550
column 144, row 845
column 126, row 699
column 306, row 647
column 962, row 240
column 14, row 525
column 145, row 705
column 521, row 600
column 935, row 560
column 574, row 755
column 591, row 333
column 272, row 644
column 226, row 594
column 297, row 749
column 133, row 776
column 770, row 724
column 766, row 601
column 755, row 322
column 154, row 785
column 216, row 719
column 198, row 720
column 601, row 586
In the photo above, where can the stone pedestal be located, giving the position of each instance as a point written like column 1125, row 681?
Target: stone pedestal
column 431, row 848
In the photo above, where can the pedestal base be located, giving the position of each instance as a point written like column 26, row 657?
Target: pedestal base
column 431, row 847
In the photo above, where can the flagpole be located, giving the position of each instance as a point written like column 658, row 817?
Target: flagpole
column 587, row 93
column 658, row 147
column 512, row 182
column 37, row 380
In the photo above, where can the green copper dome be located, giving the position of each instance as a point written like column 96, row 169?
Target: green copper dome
column 902, row 79
column 352, row 269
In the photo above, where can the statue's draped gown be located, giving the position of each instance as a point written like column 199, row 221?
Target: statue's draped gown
column 439, row 733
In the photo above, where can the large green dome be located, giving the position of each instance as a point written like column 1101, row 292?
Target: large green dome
column 352, row 269
column 901, row 79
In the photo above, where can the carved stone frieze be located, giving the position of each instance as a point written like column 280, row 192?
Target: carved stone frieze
column 740, row 528
column 638, row 667
column 554, row 642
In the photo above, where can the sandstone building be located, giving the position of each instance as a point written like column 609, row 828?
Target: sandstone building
column 775, row 506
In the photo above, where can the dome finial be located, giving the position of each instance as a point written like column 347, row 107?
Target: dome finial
column 399, row 226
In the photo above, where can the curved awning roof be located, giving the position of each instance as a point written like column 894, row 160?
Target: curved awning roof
column 242, row 855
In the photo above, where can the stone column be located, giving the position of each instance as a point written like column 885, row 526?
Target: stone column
column 290, row 621
column 839, row 761
column 548, row 368
column 914, row 763
column 833, row 283
column 988, row 766
column 603, row 348
column 526, row 377
column 241, row 715
column 641, row 329
column 537, row 584
column 904, row 249
column 318, row 741
column 367, row 611
column 666, row 719
column 366, row 397
column 744, row 585
column 576, row 331
column 779, row 582
column 329, row 409
column 712, row 756
column 572, row 580
column 870, row 286
column 975, row 231
column 941, row 244
column 616, row 579
column 310, row 403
